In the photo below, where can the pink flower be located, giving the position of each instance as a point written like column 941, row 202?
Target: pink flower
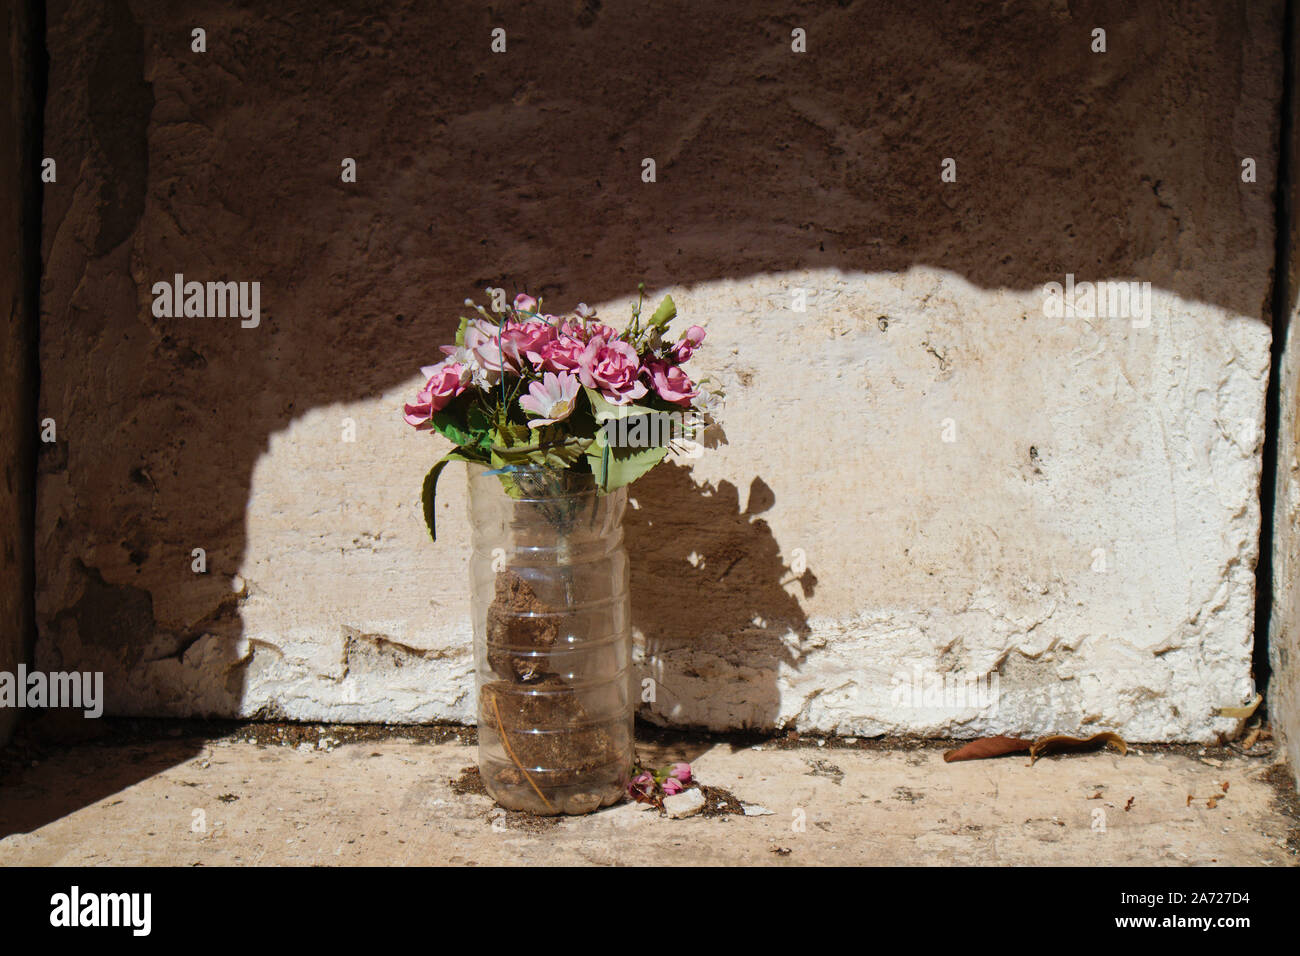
column 446, row 381
column 551, row 399
column 614, row 368
column 681, row 772
column 643, row 783
column 672, row 384
column 562, row 352
column 525, row 303
column 672, row 785
column 693, row 339
column 599, row 330
column 482, row 343
column 520, row 340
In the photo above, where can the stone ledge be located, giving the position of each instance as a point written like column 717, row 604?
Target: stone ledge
column 395, row 800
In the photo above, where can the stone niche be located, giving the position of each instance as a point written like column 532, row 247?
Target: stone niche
column 948, row 504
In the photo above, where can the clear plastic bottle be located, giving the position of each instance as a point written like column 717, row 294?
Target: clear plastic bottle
column 552, row 639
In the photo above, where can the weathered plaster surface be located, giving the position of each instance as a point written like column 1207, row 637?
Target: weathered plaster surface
column 1088, row 537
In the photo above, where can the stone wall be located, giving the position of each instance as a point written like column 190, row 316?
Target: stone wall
column 17, row 340
column 929, row 476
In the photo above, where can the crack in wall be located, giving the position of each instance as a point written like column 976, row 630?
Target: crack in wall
column 1282, row 306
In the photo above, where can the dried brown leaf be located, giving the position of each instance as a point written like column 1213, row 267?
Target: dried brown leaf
column 1241, row 713
column 1060, row 743
column 988, row 747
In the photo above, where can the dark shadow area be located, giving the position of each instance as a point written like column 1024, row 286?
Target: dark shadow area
column 60, row 762
column 524, row 170
column 34, row 42
column 30, row 802
column 704, row 563
column 23, row 68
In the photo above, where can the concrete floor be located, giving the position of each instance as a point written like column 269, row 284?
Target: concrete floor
column 391, row 800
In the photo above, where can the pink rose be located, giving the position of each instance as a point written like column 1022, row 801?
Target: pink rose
column 446, row 381
column 693, row 339
column 520, row 340
column 563, row 351
column 525, row 303
column 672, row 785
column 681, row 771
column 598, row 330
column 614, row 368
column 672, row 384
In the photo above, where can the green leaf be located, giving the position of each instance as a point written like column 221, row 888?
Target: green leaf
column 507, row 447
column 666, row 312
column 603, row 411
column 557, row 450
column 616, row 467
column 547, row 446
column 480, row 426
column 508, row 434
column 430, row 488
column 451, row 424
column 460, row 332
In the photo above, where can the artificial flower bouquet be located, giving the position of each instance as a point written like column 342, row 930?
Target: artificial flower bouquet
column 530, row 394
column 561, row 412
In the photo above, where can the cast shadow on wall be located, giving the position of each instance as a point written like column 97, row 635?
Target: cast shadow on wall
column 705, row 566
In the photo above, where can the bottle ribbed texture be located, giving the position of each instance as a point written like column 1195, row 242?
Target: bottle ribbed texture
column 552, row 640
